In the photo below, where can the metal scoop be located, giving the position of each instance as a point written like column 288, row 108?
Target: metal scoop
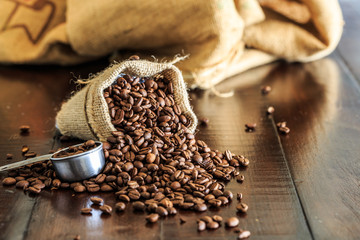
column 70, row 168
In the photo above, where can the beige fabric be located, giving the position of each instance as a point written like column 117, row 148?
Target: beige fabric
column 86, row 114
column 218, row 34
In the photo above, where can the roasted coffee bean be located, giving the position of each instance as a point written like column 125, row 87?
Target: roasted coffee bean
column 8, row 181
column 240, row 178
column 284, row 130
column 270, row 110
column 217, row 218
column 9, row 156
column 265, row 90
column 223, row 200
column 162, row 211
column 232, row 222
column 228, row 194
column 96, row 200
column 124, row 198
column 80, row 188
column 200, row 207
column 24, row 129
column 206, row 219
column 34, row 189
column 30, row 154
column 250, row 126
column 151, row 218
column 86, row 210
column 93, row 188
column 22, row 184
column 244, row 234
column 120, row 206
column 172, row 211
column 204, row 121
column 242, row 207
column 281, row 124
column 24, row 149
column 239, row 196
column 77, row 237
column 139, row 206
column 201, row 226
column 212, row 225
column 106, row 209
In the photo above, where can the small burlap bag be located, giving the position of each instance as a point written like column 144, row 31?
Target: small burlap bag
column 86, row 114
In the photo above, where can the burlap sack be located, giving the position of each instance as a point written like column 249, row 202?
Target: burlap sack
column 223, row 37
column 86, row 114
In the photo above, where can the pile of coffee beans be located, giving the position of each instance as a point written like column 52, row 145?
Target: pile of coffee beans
column 74, row 150
column 152, row 159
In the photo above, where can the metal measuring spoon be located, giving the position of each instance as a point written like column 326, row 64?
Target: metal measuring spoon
column 70, row 168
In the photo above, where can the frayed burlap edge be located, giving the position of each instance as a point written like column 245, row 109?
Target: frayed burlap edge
column 86, row 114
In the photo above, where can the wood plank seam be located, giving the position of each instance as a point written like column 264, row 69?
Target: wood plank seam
column 292, row 179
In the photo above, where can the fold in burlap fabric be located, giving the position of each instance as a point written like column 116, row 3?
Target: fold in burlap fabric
column 86, row 114
column 223, row 37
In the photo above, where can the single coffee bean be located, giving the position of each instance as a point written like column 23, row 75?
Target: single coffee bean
column 242, row 207
column 240, row 178
column 24, row 129
column 120, row 206
column 80, row 189
column 281, row 124
column 206, row 219
column 139, row 206
column 270, row 110
column 200, row 207
column 151, row 218
column 228, row 194
column 162, row 211
column 25, row 149
column 106, row 209
column 204, row 121
column 77, row 237
column 217, row 218
column 265, row 90
column 244, row 234
column 22, row 184
column 86, row 210
column 8, row 181
column 232, row 222
column 124, row 198
column 201, row 226
column 172, row 211
column 134, row 57
column 284, row 130
column 239, row 196
column 212, row 225
column 9, row 156
column 96, row 200
column 250, row 126
column 34, row 189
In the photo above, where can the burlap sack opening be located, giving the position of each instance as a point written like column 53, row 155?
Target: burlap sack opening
column 86, row 114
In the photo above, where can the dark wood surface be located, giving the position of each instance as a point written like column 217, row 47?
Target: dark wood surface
column 305, row 185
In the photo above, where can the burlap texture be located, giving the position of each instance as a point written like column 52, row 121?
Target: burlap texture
column 223, row 37
column 86, row 114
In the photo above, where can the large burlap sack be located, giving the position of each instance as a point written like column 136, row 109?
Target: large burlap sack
column 223, row 37
column 86, row 114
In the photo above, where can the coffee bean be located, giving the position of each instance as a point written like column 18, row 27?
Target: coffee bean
column 77, row 237
column 265, row 90
column 204, row 121
column 240, row 178
column 217, row 218
column 9, row 156
column 86, row 210
column 228, row 194
column 106, row 209
column 34, row 189
column 281, row 124
column 270, row 110
column 200, row 207
column 212, row 225
column 96, row 200
column 232, row 222
column 134, row 57
column 8, row 181
column 162, row 211
column 24, row 129
column 239, row 196
column 244, row 234
column 93, row 188
column 139, row 206
column 151, row 218
column 120, row 206
column 250, row 126
column 80, row 188
column 172, row 211
column 206, row 219
column 284, row 130
column 201, row 226
column 22, row 184
column 242, row 207
column 124, row 198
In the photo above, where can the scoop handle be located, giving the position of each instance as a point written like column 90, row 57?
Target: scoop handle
column 25, row 162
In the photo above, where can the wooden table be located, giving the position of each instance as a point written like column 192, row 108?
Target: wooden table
column 305, row 185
